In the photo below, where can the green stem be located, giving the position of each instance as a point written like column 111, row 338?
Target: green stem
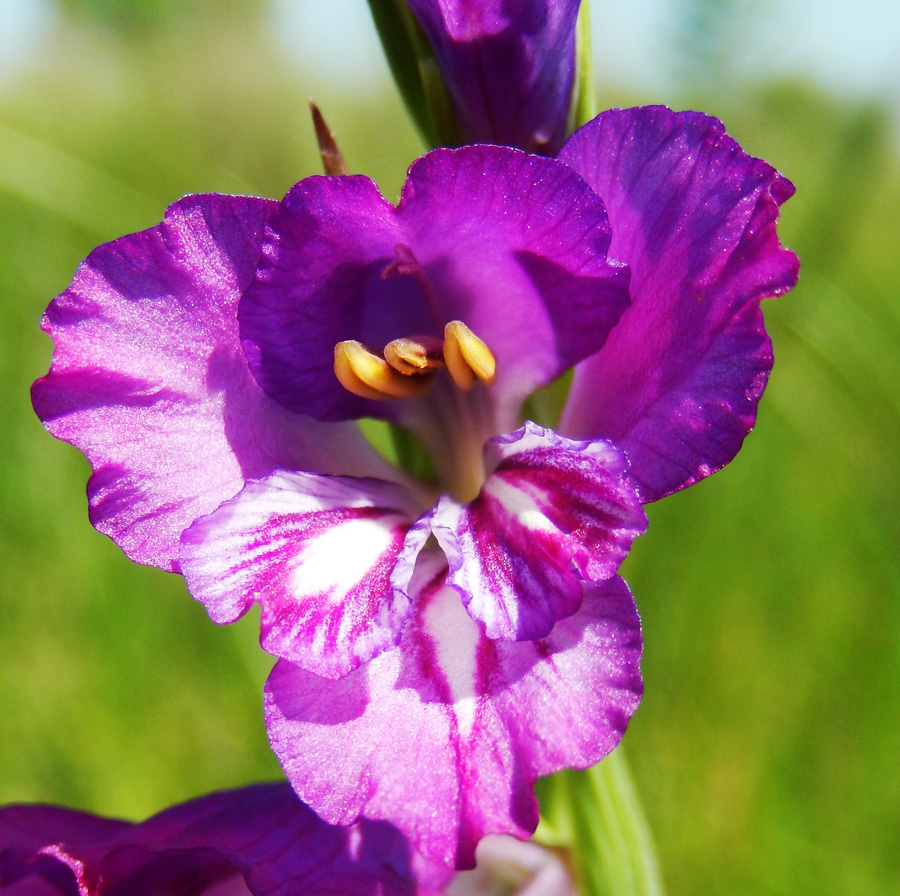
column 597, row 814
column 584, row 99
column 412, row 63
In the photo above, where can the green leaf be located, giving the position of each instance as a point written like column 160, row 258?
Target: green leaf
column 415, row 70
column 50, row 178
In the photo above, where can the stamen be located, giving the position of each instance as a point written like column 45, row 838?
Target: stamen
column 415, row 354
column 366, row 374
column 467, row 357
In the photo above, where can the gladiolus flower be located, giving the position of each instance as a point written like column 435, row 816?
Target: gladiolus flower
column 441, row 642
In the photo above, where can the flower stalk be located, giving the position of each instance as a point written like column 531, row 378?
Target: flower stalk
column 597, row 815
column 584, row 98
column 415, row 71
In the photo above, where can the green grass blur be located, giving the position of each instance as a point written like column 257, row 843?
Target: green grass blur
column 766, row 748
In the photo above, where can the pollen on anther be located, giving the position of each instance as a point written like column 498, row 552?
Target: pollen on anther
column 467, row 356
column 368, row 375
column 415, row 354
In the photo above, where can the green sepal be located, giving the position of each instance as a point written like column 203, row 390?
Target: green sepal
column 415, row 71
column 596, row 816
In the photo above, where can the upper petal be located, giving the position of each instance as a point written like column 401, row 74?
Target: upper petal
column 445, row 735
column 677, row 383
column 149, row 380
column 508, row 67
column 552, row 513
column 317, row 553
column 260, row 840
column 511, row 244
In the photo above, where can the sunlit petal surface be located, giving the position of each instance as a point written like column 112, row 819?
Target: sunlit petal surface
column 446, row 734
column 149, row 380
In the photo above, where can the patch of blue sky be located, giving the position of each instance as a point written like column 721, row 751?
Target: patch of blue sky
column 23, row 25
column 851, row 48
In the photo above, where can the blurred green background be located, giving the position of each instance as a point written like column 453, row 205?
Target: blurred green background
column 766, row 748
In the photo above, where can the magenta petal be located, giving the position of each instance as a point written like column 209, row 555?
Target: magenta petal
column 553, row 513
column 511, row 244
column 150, row 382
column 509, row 67
column 317, row 553
column 260, row 840
column 324, row 251
column 446, row 734
column 516, row 247
column 677, row 383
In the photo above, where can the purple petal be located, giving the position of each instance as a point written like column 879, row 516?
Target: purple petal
column 677, row 383
column 509, row 67
column 513, row 245
column 261, row 840
column 149, row 380
column 317, row 553
column 553, row 513
column 445, row 735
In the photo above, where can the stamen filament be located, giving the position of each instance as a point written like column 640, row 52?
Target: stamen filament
column 369, row 376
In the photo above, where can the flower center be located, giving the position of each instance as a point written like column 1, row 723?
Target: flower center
column 455, row 422
column 406, row 366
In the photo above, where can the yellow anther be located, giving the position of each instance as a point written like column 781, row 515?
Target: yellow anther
column 467, row 357
column 366, row 374
column 415, row 354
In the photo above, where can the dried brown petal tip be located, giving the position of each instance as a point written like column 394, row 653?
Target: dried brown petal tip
column 332, row 159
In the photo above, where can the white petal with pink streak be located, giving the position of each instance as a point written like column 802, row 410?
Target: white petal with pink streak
column 446, row 733
column 317, row 553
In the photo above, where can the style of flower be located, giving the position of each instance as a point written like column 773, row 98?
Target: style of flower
column 440, row 644
column 509, row 68
column 258, row 840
